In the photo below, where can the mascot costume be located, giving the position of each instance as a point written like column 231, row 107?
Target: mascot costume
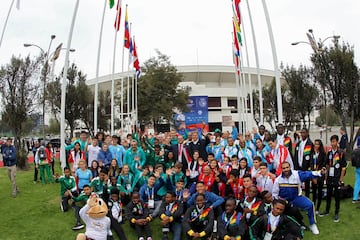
column 97, row 223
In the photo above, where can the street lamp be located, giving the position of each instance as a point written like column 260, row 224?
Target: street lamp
column 45, row 55
column 317, row 47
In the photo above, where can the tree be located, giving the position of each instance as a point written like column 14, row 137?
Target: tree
column 18, row 90
column 104, row 110
column 158, row 91
column 54, row 127
column 328, row 117
column 270, row 105
column 78, row 97
column 302, row 91
column 336, row 71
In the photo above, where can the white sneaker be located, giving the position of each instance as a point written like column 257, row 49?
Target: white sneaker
column 314, row 229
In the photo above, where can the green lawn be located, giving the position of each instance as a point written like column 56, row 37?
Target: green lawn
column 35, row 214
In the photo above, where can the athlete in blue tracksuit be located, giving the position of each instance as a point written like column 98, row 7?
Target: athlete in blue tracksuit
column 288, row 186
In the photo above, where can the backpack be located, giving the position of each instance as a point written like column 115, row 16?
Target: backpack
column 42, row 153
column 355, row 158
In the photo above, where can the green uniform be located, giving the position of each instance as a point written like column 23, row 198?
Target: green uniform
column 66, row 183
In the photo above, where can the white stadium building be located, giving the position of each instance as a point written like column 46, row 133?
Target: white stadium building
column 216, row 82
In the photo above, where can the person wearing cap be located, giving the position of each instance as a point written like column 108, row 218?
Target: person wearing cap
column 9, row 158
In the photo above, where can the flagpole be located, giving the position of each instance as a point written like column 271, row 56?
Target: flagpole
column 122, row 80
column 236, row 81
column 63, row 90
column 5, row 24
column 248, row 66
column 133, row 89
column 276, row 65
column 97, row 73
column 242, row 84
column 257, row 65
column 117, row 26
column 128, row 83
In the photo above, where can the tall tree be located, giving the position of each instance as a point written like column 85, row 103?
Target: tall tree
column 78, row 97
column 158, row 91
column 336, row 71
column 302, row 91
column 18, row 90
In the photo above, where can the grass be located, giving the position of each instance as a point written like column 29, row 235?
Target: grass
column 35, row 214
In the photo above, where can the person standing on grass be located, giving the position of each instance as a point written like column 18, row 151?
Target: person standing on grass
column 34, row 150
column 9, row 158
column 355, row 160
column 43, row 162
column 336, row 167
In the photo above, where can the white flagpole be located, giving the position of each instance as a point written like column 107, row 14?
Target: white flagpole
column 122, row 82
column 96, row 91
column 242, row 91
column 248, row 66
column 6, row 20
column 133, row 89
column 118, row 15
column 276, row 65
column 257, row 65
column 63, row 90
column 237, row 86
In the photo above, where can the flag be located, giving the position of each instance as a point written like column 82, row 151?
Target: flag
column 237, row 30
column 131, row 52
column 236, row 59
column 18, row 4
column 236, row 41
column 111, row 3
column 136, row 62
column 237, row 9
column 127, row 32
column 56, row 53
column 118, row 16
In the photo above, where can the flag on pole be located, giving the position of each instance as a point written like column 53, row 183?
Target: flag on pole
column 236, row 41
column 111, row 3
column 237, row 9
column 56, row 53
column 118, row 16
column 136, row 62
column 236, row 59
column 237, row 30
column 127, row 32
column 131, row 52
column 18, row 4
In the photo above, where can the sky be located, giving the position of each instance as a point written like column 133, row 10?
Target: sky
column 190, row 32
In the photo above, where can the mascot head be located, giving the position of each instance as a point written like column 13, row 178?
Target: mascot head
column 98, row 208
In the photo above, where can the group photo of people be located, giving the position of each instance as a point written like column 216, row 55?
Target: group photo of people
column 202, row 185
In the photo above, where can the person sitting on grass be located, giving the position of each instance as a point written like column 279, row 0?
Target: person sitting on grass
column 116, row 213
column 99, row 184
column 149, row 193
column 170, row 215
column 231, row 225
column 83, row 175
column 82, row 199
column 67, row 188
column 276, row 225
column 198, row 222
column 138, row 215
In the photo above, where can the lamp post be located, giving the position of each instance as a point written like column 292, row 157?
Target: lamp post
column 317, row 47
column 45, row 55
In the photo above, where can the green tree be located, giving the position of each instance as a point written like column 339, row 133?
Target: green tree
column 18, row 90
column 270, row 105
column 158, row 91
column 104, row 110
column 328, row 117
column 302, row 92
column 336, row 71
column 78, row 97
column 54, row 127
